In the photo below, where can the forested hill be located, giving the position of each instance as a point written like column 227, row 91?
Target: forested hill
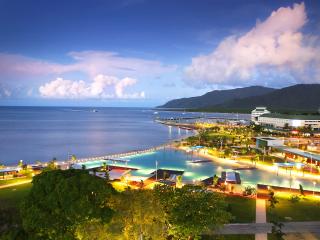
column 300, row 97
column 217, row 97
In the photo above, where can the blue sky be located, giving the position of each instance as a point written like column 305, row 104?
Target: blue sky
column 145, row 52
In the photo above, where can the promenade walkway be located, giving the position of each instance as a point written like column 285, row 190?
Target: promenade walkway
column 15, row 184
column 258, row 228
column 261, row 217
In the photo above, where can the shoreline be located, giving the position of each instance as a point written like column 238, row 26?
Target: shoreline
column 258, row 166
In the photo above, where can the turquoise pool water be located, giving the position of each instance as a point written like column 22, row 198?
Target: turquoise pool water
column 179, row 160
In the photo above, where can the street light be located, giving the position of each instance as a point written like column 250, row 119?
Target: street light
column 314, row 186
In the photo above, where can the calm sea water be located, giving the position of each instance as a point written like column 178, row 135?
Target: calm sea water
column 41, row 133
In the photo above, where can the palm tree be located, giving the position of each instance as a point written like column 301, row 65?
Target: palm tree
column 202, row 132
column 73, row 158
column 104, row 166
column 179, row 181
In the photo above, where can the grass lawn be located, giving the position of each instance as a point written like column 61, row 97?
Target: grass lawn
column 307, row 209
column 12, row 196
column 14, row 180
column 243, row 209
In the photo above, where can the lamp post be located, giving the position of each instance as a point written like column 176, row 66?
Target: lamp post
column 314, row 186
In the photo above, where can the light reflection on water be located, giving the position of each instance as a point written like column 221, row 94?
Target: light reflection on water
column 41, row 133
column 179, row 160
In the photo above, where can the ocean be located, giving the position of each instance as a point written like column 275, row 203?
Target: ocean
column 41, row 133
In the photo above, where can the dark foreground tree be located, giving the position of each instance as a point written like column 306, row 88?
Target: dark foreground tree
column 61, row 203
column 192, row 211
column 138, row 215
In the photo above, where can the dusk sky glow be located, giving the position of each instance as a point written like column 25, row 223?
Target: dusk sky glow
column 146, row 52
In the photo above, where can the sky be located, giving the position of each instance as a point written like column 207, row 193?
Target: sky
column 145, row 52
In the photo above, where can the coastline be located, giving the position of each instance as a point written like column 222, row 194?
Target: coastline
column 258, row 166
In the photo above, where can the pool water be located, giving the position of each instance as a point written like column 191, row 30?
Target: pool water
column 172, row 159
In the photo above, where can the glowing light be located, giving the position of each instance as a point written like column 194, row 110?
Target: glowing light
column 296, row 123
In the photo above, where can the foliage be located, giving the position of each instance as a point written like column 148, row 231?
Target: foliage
column 215, row 180
column 272, row 199
column 61, row 201
column 73, row 158
column 249, row 190
column 276, row 230
column 179, row 181
column 301, row 190
column 294, row 198
column 52, row 165
column 227, row 152
column 20, row 163
column 139, row 215
column 9, row 222
column 92, row 230
column 256, row 128
column 191, row 210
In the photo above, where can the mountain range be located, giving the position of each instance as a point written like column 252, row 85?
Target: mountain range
column 296, row 98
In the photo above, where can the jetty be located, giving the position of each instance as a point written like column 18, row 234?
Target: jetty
column 119, row 157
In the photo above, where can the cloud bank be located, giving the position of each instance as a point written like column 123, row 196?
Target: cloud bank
column 274, row 49
column 105, row 74
column 101, row 87
column 91, row 63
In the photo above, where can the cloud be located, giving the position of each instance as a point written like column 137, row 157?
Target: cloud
column 102, row 86
column 274, row 49
column 90, row 63
column 105, row 74
column 5, row 93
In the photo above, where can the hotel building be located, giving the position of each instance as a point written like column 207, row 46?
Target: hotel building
column 263, row 117
column 258, row 111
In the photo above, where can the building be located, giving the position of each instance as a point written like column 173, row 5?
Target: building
column 299, row 155
column 9, row 172
column 265, row 142
column 258, row 111
column 276, row 120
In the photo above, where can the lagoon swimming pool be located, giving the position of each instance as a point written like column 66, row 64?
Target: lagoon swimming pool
column 169, row 158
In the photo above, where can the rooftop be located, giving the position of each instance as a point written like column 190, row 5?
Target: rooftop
column 287, row 116
column 301, row 153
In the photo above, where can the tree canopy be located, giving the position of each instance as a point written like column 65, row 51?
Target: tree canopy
column 191, row 210
column 62, row 201
column 72, row 204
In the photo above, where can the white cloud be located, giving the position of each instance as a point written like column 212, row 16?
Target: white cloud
column 102, row 86
column 6, row 92
column 94, row 67
column 30, row 92
column 276, row 45
column 91, row 63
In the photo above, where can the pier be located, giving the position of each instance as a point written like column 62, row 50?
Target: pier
column 119, row 156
